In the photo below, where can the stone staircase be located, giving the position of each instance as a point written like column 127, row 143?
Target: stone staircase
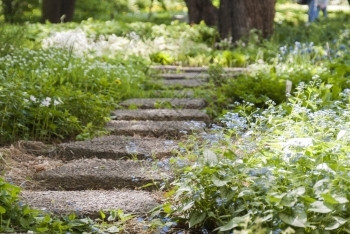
column 119, row 171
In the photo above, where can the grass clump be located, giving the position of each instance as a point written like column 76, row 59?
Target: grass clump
column 54, row 95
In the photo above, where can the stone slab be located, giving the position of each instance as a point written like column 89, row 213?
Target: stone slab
column 151, row 103
column 117, row 147
column 161, row 115
column 155, row 128
column 179, row 93
column 183, row 83
column 86, row 174
column 176, row 76
column 237, row 70
column 90, row 202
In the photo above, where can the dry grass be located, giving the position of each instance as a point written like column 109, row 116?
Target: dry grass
column 18, row 166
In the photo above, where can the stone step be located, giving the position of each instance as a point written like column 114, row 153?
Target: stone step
column 176, row 76
column 117, row 147
column 234, row 70
column 86, row 174
column 180, row 93
column 155, row 128
column 151, row 103
column 182, row 83
column 161, row 115
column 90, row 202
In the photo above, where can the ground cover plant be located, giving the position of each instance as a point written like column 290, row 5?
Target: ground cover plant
column 285, row 167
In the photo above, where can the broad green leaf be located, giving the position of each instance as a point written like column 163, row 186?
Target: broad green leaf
column 72, row 216
column 210, row 157
column 329, row 198
column 338, row 221
column 320, row 207
column 274, row 197
column 308, row 199
column 246, row 193
column 266, row 218
column 235, row 222
column 102, row 214
column 167, row 208
column 196, row 218
column 299, row 191
column 288, row 201
column 217, row 182
column 2, row 210
column 299, row 220
column 42, row 229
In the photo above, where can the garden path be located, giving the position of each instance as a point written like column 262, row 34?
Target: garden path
column 125, row 169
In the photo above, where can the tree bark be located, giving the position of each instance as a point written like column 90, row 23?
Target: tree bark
column 237, row 18
column 202, row 10
column 57, row 11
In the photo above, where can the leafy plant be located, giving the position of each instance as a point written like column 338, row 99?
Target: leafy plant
column 283, row 168
column 17, row 217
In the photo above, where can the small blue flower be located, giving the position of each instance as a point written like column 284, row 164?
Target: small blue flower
column 139, row 219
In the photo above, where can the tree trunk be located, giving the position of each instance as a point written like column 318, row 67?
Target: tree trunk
column 237, row 18
column 199, row 10
column 57, row 11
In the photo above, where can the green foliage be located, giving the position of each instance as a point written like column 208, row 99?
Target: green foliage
column 100, row 9
column 18, row 10
column 283, row 168
column 53, row 95
column 16, row 217
column 162, row 58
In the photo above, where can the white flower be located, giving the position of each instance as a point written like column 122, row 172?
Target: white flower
column 46, row 102
column 32, row 98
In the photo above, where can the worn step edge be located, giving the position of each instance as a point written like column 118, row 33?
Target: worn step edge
column 151, row 103
column 90, row 202
column 176, row 76
column 179, row 93
column 85, row 174
column 198, row 69
column 155, row 128
column 161, row 115
column 181, row 83
column 117, row 147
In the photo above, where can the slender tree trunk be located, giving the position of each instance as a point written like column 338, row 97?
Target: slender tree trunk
column 237, row 18
column 199, row 10
column 57, row 11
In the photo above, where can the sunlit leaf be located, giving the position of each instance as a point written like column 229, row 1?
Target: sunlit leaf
column 341, row 200
column 235, row 222
column 188, row 206
column 299, row 220
column 320, row 207
column 210, row 157
column 2, row 210
column 329, row 198
column 167, row 208
column 102, row 214
column 338, row 221
column 217, row 182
